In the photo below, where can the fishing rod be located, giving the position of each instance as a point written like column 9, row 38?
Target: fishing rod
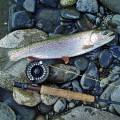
column 63, row 93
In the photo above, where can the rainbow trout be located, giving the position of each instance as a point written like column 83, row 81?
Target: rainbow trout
column 63, row 46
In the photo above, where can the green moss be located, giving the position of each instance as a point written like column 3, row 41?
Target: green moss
column 67, row 3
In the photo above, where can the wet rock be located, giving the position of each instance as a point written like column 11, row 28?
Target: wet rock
column 21, row 38
column 67, row 3
column 107, row 92
column 30, row 5
column 51, row 3
column 90, row 17
column 61, row 73
column 98, row 21
column 105, row 58
column 93, row 54
column 6, row 112
column 19, row 2
column 90, row 6
column 115, row 51
column 116, row 19
column 48, row 100
column 86, row 113
column 22, row 112
column 104, row 82
column 76, row 86
column 102, row 11
column 40, row 117
column 70, row 14
column 81, row 63
column 71, row 105
column 45, row 109
column 112, row 109
column 60, row 105
column 43, row 15
column 115, row 96
column 66, row 85
column 91, row 73
column 112, row 5
column 26, row 97
column 22, row 19
column 60, row 29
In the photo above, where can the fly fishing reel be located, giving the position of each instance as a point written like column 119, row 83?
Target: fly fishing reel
column 37, row 72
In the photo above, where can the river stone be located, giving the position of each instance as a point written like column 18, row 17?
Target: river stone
column 90, row 6
column 40, row 117
column 22, row 19
column 67, row 3
column 21, row 38
column 115, row 96
column 76, row 86
column 113, row 5
column 70, row 14
column 6, row 113
column 30, row 5
column 26, row 97
column 61, row 73
column 105, row 58
column 60, row 105
column 88, row 79
column 45, row 109
column 86, row 113
column 107, row 93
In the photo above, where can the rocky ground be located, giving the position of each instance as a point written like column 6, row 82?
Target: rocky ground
column 96, row 73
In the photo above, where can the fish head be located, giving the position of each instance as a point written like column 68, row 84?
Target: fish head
column 101, row 37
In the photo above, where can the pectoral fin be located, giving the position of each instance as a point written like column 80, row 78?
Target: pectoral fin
column 31, row 58
column 66, row 59
column 87, row 46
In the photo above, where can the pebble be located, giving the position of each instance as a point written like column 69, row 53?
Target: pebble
column 30, row 5
column 115, row 96
column 45, row 109
column 112, row 5
column 86, row 113
column 81, row 63
column 66, row 85
column 90, row 6
column 71, row 105
column 91, row 72
column 105, row 58
column 102, row 10
column 104, row 82
column 26, row 97
column 98, row 21
column 22, row 19
column 107, row 93
column 22, row 112
column 47, row 19
column 60, row 105
column 40, row 117
column 90, row 17
column 6, row 112
column 51, row 3
column 67, row 3
column 19, row 2
column 116, row 19
column 70, row 14
column 76, row 86
column 65, row 73
column 60, row 29
column 115, row 51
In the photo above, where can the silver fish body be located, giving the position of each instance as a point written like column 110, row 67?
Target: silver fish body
column 68, row 45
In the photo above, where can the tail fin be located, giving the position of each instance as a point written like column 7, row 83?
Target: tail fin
column 5, row 62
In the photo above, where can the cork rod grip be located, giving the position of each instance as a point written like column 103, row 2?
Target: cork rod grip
column 66, row 94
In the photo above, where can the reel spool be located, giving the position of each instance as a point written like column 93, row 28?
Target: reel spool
column 37, row 72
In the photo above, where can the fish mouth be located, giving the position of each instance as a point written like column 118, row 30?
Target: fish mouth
column 105, row 37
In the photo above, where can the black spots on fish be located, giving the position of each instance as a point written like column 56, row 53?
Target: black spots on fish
column 87, row 46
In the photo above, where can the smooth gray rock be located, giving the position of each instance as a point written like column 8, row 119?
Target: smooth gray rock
column 113, row 5
column 76, row 86
column 90, row 6
column 86, row 113
column 30, row 5
column 115, row 96
column 60, row 105
column 61, row 73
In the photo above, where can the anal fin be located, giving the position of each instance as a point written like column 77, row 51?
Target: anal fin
column 66, row 59
column 31, row 58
